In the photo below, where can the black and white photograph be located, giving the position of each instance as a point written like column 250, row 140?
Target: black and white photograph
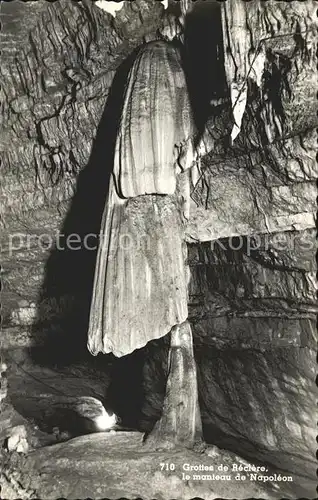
column 158, row 236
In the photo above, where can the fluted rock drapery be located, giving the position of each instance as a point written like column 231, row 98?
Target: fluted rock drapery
column 140, row 287
column 156, row 117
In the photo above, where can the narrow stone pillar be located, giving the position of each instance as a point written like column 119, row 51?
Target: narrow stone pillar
column 180, row 423
column 3, row 384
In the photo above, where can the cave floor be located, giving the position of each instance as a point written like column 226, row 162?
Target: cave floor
column 115, row 464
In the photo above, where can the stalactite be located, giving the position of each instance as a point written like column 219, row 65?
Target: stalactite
column 186, row 6
column 241, row 60
column 3, row 384
column 140, row 288
column 247, row 29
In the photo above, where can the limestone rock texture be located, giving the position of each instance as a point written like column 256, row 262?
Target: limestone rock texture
column 118, row 466
column 250, row 232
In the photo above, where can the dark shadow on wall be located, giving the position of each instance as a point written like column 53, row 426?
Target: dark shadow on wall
column 203, row 59
column 69, row 274
column 64, row 301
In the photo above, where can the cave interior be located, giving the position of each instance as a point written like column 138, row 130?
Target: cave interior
column 250, row 236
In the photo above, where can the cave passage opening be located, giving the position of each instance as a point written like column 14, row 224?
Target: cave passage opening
column 204, row 59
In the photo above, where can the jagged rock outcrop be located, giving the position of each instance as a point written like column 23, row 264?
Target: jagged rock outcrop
column 249, row 57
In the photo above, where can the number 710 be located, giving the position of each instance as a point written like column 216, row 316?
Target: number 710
column 165, row 466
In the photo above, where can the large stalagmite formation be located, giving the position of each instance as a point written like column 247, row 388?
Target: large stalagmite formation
column 180, row 422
